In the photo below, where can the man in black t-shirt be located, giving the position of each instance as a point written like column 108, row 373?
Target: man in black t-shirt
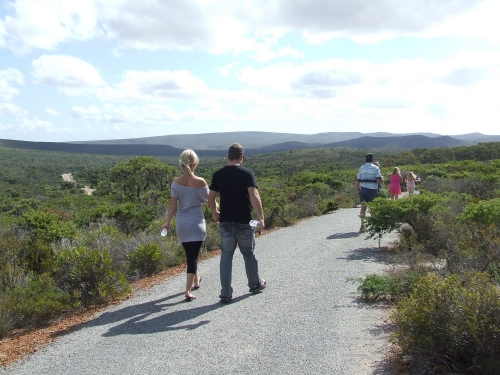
column 238, row 193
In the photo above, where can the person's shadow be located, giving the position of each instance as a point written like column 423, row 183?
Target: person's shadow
column 339, row 236
column 136, row 321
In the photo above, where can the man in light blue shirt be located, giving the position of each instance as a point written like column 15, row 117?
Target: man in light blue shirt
column 367, row 181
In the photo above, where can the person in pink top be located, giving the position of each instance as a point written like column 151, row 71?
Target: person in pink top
column 395, row 186
column 411, row 180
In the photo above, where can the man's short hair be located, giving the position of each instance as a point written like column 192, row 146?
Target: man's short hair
column 235, row 151
column 369, row 158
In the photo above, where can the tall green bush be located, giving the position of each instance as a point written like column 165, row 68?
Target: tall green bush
column 37, row 301
column 88, row 275
column 146, row 260
column 455, row 320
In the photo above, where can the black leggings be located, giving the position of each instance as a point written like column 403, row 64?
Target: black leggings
column 192, row 250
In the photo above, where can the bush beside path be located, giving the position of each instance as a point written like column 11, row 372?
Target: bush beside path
column 307, row 321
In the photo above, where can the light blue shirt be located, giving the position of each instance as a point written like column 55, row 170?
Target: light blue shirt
column 368, row 175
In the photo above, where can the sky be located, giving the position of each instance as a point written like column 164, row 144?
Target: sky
column 116, row 69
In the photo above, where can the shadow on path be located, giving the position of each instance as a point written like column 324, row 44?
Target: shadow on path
column 338, row 236
column 370, row 254
column 137, row 323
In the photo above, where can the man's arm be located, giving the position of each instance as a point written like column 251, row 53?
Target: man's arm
column 257, row 205
column 212, row 203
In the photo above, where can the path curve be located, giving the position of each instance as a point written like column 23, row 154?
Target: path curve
column 307, row 321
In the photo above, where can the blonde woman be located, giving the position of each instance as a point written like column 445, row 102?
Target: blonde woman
column 410, row 183
column 188, row 193
column 395, row 186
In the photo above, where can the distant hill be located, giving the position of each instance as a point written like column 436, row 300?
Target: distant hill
column 249, row 140
column 475, row 138
column 221, row 141
column 127, row 149
column 404, row 143
column 286, row 146
column 216, row 144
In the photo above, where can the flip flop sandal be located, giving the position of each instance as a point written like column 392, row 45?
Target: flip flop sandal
column 199, row 284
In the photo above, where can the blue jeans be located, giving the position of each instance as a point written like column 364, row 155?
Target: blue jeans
column 233, row 234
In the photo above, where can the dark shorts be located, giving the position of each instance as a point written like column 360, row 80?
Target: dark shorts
column 367, row 195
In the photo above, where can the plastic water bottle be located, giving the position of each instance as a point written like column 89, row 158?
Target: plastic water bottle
column 254, row 224
column 164, row 232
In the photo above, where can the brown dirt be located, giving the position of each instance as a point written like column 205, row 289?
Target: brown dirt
column 23, row 342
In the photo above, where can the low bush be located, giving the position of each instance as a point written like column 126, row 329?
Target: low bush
column 212, row 241
column 6, row 319
column 394, row 287
column 35, row 302
column 146, row 260
column 12, row 272
column 453, row 321
column 88, row 275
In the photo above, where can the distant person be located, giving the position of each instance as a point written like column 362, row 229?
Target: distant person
column 238, row 192
column 411, row 180
column 367, row 181
column 188, row 193
column 395, row 183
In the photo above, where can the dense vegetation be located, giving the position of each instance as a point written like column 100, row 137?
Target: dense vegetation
column 61, row 249
column 448, row 298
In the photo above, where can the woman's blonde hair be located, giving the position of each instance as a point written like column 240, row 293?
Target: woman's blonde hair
column 412, row 176
column 187, row 160
column 396, row 171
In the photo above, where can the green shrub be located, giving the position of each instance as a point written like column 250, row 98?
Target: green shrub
column 37, row 301
column 331, row 206
column 454, row 320
column 6, row 318
column 212, row 241
column 383, row 193
column 47, row 226
column 12, row 272
column 146, row 260
column 393, row 287
column 132, row 218
column 88, row 275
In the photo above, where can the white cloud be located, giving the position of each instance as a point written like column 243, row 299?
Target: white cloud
column 35, row 24
column 320, row 79
column 176, row 24
column 8, row 76
column 386, row 103
column 12, row 110
column 157, row 85
column 240, row 27
column 65, row 72
column 52, row 112
column 292, row 52
column 465, row 77
column 91, row 113
column 26, row 126
column 34, row 125
column 367, row 21
column 482, row 21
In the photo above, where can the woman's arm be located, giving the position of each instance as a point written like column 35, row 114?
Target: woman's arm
column 172, row 208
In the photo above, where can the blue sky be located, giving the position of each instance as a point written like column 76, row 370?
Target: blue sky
column 114, row 69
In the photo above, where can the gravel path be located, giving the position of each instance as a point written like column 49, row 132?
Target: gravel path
column 307, row 321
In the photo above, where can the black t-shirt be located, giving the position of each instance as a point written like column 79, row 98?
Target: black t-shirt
column 232, row 183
